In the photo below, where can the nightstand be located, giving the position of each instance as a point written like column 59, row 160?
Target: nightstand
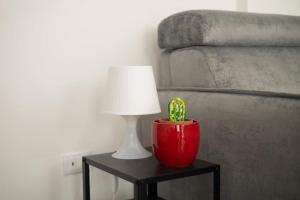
column 145, row 173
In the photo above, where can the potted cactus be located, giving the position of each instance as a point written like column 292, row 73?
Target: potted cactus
column 175, row 141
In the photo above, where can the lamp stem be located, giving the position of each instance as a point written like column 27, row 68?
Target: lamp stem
column 131, row 147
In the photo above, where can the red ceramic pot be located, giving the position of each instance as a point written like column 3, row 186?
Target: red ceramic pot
column 175, row 144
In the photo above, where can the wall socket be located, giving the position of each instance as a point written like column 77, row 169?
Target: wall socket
column 72, row 162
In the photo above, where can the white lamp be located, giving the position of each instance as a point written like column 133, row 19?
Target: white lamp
column 131, row 92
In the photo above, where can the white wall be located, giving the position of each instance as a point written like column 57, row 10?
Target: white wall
column 289, row 7
column 54, row 56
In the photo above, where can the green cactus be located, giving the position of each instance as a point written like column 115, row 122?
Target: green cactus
column 177, row 111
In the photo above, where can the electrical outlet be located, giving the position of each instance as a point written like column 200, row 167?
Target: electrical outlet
column 72, row 162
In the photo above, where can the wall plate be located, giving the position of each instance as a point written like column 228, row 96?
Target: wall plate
column 72, row 162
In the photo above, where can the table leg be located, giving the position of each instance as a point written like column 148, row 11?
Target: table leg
column 86, row 180
column 217, row 183
column 140, row 191
column 152, row 190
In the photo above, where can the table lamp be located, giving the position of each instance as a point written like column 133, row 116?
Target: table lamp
column 130, row 93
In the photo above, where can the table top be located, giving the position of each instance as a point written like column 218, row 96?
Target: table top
column 147, row 170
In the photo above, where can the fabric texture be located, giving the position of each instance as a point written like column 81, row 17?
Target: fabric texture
column 255, row 139
column 244, row 88
column 261, row 69
column 219, row 28
column 240, row 77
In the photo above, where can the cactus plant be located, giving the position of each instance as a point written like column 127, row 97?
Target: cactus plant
column 177, row 110
column 175, row 140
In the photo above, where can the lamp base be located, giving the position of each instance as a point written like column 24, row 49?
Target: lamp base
column 131, row 147
column 131, row 154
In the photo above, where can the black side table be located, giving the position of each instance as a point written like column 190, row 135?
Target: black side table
column 145, row 174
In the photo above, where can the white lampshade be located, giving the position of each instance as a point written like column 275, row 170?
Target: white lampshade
column 131, row 90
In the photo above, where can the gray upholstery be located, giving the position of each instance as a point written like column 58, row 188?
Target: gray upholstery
column 247, row 100
column 272, row 69
column 208, row 27
column 255, row 139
